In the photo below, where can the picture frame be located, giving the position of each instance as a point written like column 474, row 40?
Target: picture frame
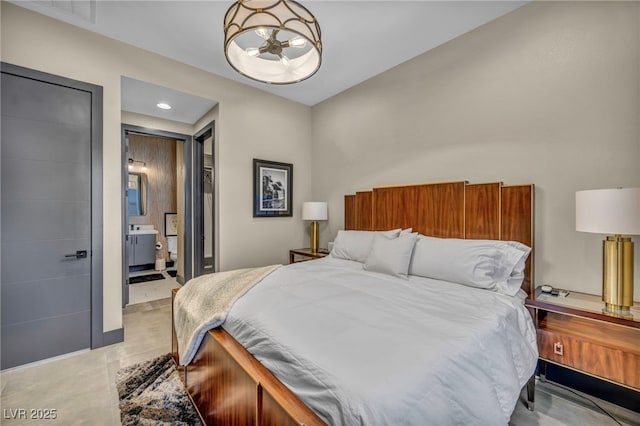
column 170, row 224
column 272, row 188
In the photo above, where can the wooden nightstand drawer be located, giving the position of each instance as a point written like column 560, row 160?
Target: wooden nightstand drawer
column 593, row 358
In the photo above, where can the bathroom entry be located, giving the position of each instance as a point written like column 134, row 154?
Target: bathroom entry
column 155, row 209
column 152, row 194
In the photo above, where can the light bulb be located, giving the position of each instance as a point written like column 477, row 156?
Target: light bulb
column 297, row 42
column 263, row 33
column 130, row 167
column 252, row 51
column 284, row 60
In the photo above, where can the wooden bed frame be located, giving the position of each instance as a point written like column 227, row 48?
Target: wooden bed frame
column 230, row 387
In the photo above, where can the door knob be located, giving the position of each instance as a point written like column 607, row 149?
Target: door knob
column 80, row 254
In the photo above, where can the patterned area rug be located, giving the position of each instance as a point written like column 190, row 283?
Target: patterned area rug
column 151, row 393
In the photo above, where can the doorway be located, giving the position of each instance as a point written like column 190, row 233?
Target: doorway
column 51, row 216
column 157, row 212
column 204, row 200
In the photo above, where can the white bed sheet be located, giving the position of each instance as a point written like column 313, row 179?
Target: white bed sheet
column 361, row 347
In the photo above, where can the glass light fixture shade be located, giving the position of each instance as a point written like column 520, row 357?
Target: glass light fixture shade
column 252, row 51
column 137, row 165
column 297, row 42
column 608, row 211
column 246, row 24
column 263, row 33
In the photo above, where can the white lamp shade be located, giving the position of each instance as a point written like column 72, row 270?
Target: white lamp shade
column 312, row 210
column 608, row 211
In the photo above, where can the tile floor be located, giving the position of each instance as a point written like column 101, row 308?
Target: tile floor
column 151, row 290
column 81, row 387
column 555, row 406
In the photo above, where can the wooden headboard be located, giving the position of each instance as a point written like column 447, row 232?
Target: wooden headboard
column 490, row 211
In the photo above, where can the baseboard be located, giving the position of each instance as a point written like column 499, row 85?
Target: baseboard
column 113, row 337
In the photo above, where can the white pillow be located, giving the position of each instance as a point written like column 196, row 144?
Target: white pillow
column 489, row 264
column 514, row 282
column 391, row 255
column 356, row 245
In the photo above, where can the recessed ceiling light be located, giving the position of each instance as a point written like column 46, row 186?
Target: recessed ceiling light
column 162, row 105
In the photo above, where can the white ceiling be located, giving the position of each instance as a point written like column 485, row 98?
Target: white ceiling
column 360, row 38
column 142, row 98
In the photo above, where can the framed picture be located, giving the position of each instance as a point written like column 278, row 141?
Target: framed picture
column 170, row 224
column 272, row 188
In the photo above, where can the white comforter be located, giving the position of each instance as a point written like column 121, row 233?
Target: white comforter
column 365, row 348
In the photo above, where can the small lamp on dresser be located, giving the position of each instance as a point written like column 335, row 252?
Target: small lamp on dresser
column 314, row 211
column 615, row 212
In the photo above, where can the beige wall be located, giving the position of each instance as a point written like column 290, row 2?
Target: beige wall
column 156, row 123
column 252, row 124
column 548, row 94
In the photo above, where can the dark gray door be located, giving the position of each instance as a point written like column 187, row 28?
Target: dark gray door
column 46, row 220
column 204, row 205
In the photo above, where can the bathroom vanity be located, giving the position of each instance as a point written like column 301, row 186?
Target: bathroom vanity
column 142, row 247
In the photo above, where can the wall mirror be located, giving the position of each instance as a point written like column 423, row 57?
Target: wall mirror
column 137, row 194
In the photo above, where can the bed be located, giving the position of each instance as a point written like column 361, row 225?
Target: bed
column 344, row 340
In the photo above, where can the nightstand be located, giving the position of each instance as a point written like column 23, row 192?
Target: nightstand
column 306, row 254
column 576, row 332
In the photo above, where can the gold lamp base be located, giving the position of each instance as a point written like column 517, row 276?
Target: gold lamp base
column 314, row 237
column 617, row 280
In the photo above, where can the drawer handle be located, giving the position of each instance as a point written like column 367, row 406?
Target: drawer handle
column 558, row 348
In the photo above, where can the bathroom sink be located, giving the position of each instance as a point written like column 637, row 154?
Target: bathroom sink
column 142, row 231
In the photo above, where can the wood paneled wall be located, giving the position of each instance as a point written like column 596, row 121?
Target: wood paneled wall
column 159, row 154
column 459, row 209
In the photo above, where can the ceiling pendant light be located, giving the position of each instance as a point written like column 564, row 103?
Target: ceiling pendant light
column 272, row 41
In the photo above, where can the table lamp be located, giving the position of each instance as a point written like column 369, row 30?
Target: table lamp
column 314, row 211
column 615, row 212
